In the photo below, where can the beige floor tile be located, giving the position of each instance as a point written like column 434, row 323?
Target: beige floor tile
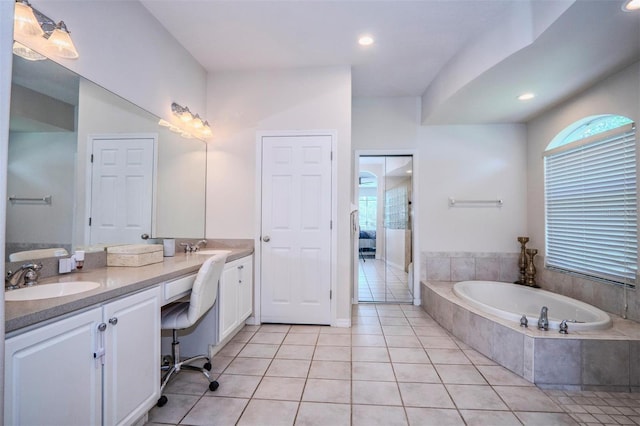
column 422, row 373
column 475, row 397
column 556, row 419
column 371, row 415
column 369, row 340
column 377, row 371
column 295, row 352
column 231, row 349
column 289, row 368
column 237, row 386
column 267, row 338
column 332, row 353
column 422, row 322
column 527, row 398
column 265, row 412
column 274, row 328
column 397, row 330
column 242, row 337
column 409, row 355
column 379, row 393
column 323, row 390
column 365, row 320
column 214, row 411
column 306, row 329
column 248, row 366
column 498, row 375
column 282, row 388
column 366, row 330
column 438, row 342
column 334, row 340
column 477, row 358
column 403, row 342
column 301, row 339
column 493, row 418
column 340, row 370
column 189, row 383
column 323, row 414
column 432, row 395
column 335, row 330
column 435, row 416
column 176, row 408
column 435, row 331
column 369, row 354
column 219, row 363
column 252, row 350
column 460, row 374
column 447, row 356
column 393, row 321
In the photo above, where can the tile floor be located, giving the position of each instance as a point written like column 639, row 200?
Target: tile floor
column 379, row 282
column 395, row 366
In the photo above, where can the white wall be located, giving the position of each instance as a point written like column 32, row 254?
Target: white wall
column 42, row 164
column 483, row 162
column 124, row 48
column 618, row 94
column 242, row 103
column 385, row 123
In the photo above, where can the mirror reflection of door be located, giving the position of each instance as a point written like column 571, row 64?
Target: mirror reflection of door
column 385, row 258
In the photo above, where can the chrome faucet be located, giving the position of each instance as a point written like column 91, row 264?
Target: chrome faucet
column 29, row 272
column 543, row 320
column 191, row 247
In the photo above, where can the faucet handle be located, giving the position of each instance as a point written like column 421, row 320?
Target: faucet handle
column 564, row 327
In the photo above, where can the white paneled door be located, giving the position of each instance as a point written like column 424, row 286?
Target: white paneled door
column 296, row 229
column 121, row 189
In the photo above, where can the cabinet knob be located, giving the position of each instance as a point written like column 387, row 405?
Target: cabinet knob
column 102, row 326
column 113, row 321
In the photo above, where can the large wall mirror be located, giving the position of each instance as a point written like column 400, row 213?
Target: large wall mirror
column 57, row 121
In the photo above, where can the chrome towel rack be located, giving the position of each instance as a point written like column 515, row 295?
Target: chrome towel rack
column 30, row 200
column 453, row 202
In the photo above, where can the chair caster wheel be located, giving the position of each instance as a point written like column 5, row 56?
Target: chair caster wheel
column 213, row 385
column 161, row 401
column 207, row 366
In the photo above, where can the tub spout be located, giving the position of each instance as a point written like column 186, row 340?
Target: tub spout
column 543, row 320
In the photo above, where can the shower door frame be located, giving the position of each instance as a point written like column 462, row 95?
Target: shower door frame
column 414, row 212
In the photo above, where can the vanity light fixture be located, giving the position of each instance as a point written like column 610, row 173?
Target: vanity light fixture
column 631, row 5
column 193, row 124
column 29, row 22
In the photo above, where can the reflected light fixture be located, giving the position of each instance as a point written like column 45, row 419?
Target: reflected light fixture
column 631, row 5
column 365, row 40
column 193, row 125
column 526, row 96
column 30, row 23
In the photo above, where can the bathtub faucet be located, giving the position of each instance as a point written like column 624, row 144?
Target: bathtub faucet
column 543, row 320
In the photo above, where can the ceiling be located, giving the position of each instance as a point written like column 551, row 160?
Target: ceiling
column 468, row 60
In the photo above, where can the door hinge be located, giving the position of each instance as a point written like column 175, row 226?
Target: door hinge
column 331, row 155
column 330, row 294
column 92, row 158
column 89, row 221
column 331, row 224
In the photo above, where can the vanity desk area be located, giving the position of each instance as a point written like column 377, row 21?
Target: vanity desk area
column 94, row 357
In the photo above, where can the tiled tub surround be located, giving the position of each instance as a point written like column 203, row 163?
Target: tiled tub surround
column 590, row 360
column 465, row 266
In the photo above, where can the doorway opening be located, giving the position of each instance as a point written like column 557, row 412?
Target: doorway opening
column 385, row 243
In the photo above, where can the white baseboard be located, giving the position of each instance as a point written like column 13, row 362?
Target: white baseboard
column 343, row 322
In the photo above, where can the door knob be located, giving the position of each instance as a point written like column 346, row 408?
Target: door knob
column 144, row 236
column 266, row 238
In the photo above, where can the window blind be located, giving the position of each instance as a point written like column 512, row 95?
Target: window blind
column 591, row 206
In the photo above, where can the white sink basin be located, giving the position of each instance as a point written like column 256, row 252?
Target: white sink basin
column 48, row 291
column 212, row 252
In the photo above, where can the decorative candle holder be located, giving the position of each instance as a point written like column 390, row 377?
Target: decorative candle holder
column 522, row 260
column 531, row 268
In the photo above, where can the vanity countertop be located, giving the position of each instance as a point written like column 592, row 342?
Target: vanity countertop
column 114, row 282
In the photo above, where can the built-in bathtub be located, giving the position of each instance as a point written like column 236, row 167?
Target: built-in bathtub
column 511, row 302
column 596, row 359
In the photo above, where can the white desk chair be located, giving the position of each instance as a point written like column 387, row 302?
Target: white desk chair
column 185, row 314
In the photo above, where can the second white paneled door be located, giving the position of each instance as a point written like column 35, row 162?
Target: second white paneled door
column 296, row 229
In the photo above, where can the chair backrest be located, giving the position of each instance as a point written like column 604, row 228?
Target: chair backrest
column 205, row 287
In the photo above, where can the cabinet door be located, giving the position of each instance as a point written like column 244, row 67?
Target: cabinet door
column 228, row 299
column 132, row 360
column 51, row 376
column 245, row 288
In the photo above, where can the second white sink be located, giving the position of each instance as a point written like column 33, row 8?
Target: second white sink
column 48, row 291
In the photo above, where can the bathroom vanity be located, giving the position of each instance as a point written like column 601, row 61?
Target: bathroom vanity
column 94, row 357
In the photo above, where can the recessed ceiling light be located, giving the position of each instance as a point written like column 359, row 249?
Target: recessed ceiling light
column 365, row 40
column 631, row 5
column 526, row 96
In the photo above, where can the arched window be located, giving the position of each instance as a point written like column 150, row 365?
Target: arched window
column 590, row 199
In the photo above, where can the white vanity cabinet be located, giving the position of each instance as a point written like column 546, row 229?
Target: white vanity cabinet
column 236, row 295
column 96, row 367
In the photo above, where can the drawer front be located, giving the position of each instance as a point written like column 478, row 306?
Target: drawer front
column 178, row 288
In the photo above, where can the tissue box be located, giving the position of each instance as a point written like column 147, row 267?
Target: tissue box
column 134, row 255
